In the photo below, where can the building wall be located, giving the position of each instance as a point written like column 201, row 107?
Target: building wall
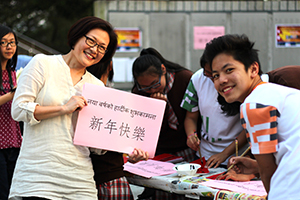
column 168, row 26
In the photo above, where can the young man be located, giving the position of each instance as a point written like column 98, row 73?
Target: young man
column 218, row 131
column 270, row 113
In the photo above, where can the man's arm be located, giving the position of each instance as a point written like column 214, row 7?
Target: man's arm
column 267, row 167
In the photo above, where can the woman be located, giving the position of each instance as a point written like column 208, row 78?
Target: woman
column 159, row 78
column 10, row 134
column 50, row 166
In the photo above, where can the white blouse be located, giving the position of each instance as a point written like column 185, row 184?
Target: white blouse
column 49, row 164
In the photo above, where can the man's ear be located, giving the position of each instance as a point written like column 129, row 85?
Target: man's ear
column 163, row 69
column 254, row 69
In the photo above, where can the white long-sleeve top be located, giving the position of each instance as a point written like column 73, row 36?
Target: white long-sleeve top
column 49, row 164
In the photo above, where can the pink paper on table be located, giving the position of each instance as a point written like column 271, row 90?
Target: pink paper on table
column 150, row 168
column 203, row 34
column 248, row 187
column 119, row 121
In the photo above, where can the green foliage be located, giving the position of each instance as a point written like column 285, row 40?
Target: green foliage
column 46, row 21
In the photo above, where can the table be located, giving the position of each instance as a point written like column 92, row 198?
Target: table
column 187, row 185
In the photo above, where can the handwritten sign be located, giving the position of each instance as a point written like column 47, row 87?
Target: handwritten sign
column 150, row 168
column 248, row 187
column 119, row 121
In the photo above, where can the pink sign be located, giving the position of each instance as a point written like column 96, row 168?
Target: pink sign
column 119, row 121
column 150, row 168
column 204, row 34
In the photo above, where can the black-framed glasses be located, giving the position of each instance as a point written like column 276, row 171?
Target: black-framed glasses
column 145, row 89
column 6, row 43
column 89, row 41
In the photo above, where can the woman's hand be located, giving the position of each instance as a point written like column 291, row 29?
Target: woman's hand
column 159, row 95
column 75, row 103
column 193, row 141
column 216, row 160
column 138, row 155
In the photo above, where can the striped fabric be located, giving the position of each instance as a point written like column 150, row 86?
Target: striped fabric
column 172, row 118
column 117, row 189
column 260, row 123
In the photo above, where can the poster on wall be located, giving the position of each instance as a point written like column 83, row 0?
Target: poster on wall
column 129, row 39
column 287, row 35
column 203, row 34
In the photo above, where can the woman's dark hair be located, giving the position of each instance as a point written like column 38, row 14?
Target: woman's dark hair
column 170, row 66
column 229, row 109
column 99, row 69
column 84, row 25
column 146, row 63
column 12, row 63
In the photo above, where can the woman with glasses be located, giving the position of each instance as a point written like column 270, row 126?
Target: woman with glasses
column 48, row 100
column 159, row 78
column 10, row 134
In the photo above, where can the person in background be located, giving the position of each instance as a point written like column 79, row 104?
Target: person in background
column 48, row 100
column 218, row 131
column 270, row 113
column 158, row 78
column 108, row 168
column 10, row 133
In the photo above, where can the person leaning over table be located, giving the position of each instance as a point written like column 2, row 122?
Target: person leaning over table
column 48, row 99
column 158, row 78
column 10, row 133
column 218, row 131
column 286, row 76
column 270, row 113
column 110, row 179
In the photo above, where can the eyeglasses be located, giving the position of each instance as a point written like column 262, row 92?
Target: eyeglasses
column 89, row 41
column 5, row 43
column 145, row 89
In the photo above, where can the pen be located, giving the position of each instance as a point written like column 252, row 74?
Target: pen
column 231, row 166
column 236, row 147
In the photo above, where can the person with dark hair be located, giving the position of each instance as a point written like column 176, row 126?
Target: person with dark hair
column 159, row 78
column 108, row 168
column 10, row 133
column 217, row 132
column 48, row 99
column 269, row 113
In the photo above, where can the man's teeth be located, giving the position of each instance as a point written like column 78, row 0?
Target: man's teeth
column 225, row 90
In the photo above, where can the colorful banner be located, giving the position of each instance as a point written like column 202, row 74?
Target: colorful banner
column 288, row 35
column 129, row 39
column 119, row 121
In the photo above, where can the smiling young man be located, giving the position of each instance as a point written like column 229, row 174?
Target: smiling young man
column 270, row 113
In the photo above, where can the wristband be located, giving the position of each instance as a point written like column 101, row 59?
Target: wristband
column 192, row 134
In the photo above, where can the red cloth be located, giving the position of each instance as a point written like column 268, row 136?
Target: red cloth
column 203, row 168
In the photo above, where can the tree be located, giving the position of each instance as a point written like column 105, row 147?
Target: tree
column 43, row 20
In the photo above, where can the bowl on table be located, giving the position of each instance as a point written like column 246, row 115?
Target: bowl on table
column 188, row 169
